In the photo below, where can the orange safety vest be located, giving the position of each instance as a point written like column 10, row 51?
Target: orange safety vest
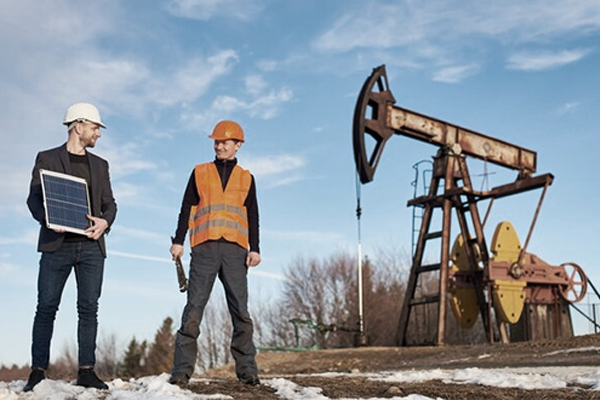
column 220, row 214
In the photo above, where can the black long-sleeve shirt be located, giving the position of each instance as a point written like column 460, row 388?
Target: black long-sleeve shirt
column 192, row 198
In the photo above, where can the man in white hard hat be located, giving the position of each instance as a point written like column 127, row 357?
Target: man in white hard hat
column 220, row 210
column 65, row 251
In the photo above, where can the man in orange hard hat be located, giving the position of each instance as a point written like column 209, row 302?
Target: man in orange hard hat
column 220, row 209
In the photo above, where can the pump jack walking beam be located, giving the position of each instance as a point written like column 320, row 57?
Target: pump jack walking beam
column 377, row 118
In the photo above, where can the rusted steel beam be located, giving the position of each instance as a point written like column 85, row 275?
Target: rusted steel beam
column 518, row 186
column 475, row 144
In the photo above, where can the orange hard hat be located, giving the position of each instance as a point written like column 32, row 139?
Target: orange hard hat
column 225, row 130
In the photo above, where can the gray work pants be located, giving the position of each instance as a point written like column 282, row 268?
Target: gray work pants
column 228, row 262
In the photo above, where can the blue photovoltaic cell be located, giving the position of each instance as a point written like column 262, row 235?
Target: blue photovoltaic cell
column 66, row 201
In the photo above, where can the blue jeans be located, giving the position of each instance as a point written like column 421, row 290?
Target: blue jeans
column 88, row 262
column 228, row 262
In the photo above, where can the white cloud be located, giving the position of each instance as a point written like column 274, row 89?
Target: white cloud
column 126, row 192
column 268, row 105
column 274, row 171
column 258, row 105
column 142, row 235
column 379, row 25
column 7, row 269
column 14, row 191
column 227, row 104
column 441, row 32
column 253, row 271
column 543, row 60
column 274, row 165
column 290, row 61
column 139, row 256
column 207, row 9
column 28, row 237
column 283, row 180
column 319, row 237
column 259, row 272
column 455, row 74
column 125, row 158
column 54, row 64
column 28, row 20
column 372, row 26
column 268, row 65
column 255, row 84
column 568, row 107
column 65, row 71
column 535, row 21
column 44, row 70
column 193, row 79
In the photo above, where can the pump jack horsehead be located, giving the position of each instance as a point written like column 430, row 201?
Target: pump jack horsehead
column 526, row 297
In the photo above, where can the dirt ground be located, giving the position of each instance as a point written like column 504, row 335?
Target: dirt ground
column 295, row 366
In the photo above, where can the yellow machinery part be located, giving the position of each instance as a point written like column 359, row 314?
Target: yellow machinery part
column 508, row 296
column 463, row 301
column 509, row 300
column 458, row 256
column 505, row 243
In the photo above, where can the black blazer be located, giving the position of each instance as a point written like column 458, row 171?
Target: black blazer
column 103, row 202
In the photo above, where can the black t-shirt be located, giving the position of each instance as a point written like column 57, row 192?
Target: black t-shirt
column 80, row 167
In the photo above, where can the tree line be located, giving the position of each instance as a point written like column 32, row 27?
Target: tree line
column 318, row 308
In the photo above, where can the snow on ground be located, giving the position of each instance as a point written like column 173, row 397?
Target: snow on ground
column 158, row 388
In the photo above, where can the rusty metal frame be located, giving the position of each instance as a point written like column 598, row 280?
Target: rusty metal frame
column 377, row 117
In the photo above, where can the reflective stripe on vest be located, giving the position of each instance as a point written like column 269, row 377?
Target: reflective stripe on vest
column 220, row 214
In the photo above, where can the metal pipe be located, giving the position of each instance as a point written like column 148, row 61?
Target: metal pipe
column 361, row 324
column 361, row 339
column 537, row 212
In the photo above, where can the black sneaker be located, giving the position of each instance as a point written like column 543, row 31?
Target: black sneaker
column 179, row 378
column 87, row 378
column 36, row 376
column 249, row 379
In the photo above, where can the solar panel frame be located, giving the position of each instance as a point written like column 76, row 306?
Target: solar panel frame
column 66, row 201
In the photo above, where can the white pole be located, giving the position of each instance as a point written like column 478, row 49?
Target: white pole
column 361, row 339
column 361, row 325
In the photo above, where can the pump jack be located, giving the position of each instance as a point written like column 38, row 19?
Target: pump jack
column 496, row 286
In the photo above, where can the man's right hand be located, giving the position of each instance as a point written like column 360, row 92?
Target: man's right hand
column 176, row 251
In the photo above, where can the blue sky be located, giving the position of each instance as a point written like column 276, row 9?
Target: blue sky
column 163, row 73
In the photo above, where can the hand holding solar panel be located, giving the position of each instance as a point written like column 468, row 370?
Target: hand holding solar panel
column 97, row 228
column 66, row 202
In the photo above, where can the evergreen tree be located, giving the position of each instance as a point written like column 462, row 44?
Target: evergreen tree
column 160, row 354
column 134, row 360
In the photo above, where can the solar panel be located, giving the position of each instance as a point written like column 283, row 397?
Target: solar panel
column 66, row 201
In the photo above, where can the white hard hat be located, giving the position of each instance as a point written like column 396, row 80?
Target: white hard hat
column 83, row 111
